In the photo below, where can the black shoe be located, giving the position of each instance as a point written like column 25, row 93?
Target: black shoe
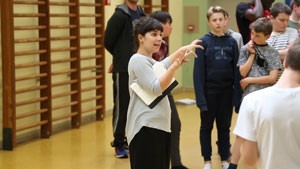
column 180, row 167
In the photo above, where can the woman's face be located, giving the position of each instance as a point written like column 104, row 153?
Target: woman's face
column 151, row 42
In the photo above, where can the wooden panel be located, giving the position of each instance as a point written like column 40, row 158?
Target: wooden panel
column 152, row 5
column 48, row 51
column 9, row 123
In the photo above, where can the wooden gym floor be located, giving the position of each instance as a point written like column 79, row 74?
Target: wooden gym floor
column 89, row 146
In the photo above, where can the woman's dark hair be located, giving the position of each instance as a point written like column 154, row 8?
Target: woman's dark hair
column 142, row 26
column 162, row 16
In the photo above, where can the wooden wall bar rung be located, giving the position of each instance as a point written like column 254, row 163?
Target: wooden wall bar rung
column 91, row 109
column 27, row 65
column 63, row 60
column 54, row 96
column 91, row 99
column 91, row 57
column 91, row 47
column 31, row 101
column 68, row 82
column 63, row 27
column 64, row 116
column 90, row 36
column 63, row 15
column 146, row 6
column 30, row 27
column 62, row 4
column 86, row 89
column 90, row 4
column 30, row 52
column 61, row 106
column 158, row 6
column 150, row 5
column 29, row 2
column 91, row 67
column 68, row 71
column 31, row 125
column 90, row 15
column 63, row 49
column 28, row 40
column 33, row 76
column 91, row 26
column 30, row 89
column 30, row 15
column 91, row 78
column 63, row 38
column 31, row 113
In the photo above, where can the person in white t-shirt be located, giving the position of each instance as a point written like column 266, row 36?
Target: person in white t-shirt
column 268, row 123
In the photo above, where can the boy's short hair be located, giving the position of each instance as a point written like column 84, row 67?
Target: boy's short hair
column 278, row 8
column 292, row 59
column 162, row 16
column 142, row 26
column 215, row 9
column 294, row 2
column 226, row 14
column 262, row 25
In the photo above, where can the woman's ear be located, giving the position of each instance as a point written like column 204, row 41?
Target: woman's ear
column 140, row 37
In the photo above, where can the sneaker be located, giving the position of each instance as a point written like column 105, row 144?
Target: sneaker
column 225, row 165
column 180, row 167
column 121, row 152
column 125, row 144
column 207, row 166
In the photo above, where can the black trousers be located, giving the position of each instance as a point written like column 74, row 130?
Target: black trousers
column 220, row 108
column 175, row 134
column 121, row 102
column 150, row 149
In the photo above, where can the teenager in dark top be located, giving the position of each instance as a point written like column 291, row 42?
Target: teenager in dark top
column 118, row 40
column 215, row 78
column 166, row 20
column 246, row 13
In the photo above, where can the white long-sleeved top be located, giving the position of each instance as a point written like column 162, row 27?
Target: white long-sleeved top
column 139, row 114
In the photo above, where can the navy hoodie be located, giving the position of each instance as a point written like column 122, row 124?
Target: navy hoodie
column 215, row 69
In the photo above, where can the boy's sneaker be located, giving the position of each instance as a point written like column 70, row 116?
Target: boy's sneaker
column 121, row 152
column 225, row 165
column 207, row 166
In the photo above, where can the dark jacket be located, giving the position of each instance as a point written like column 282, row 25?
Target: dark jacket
column 118, row 38
column 215, row 69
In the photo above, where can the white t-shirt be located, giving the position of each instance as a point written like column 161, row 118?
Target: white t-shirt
column 271, row 117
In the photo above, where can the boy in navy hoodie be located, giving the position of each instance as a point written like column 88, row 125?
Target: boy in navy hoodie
column 215, row 78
